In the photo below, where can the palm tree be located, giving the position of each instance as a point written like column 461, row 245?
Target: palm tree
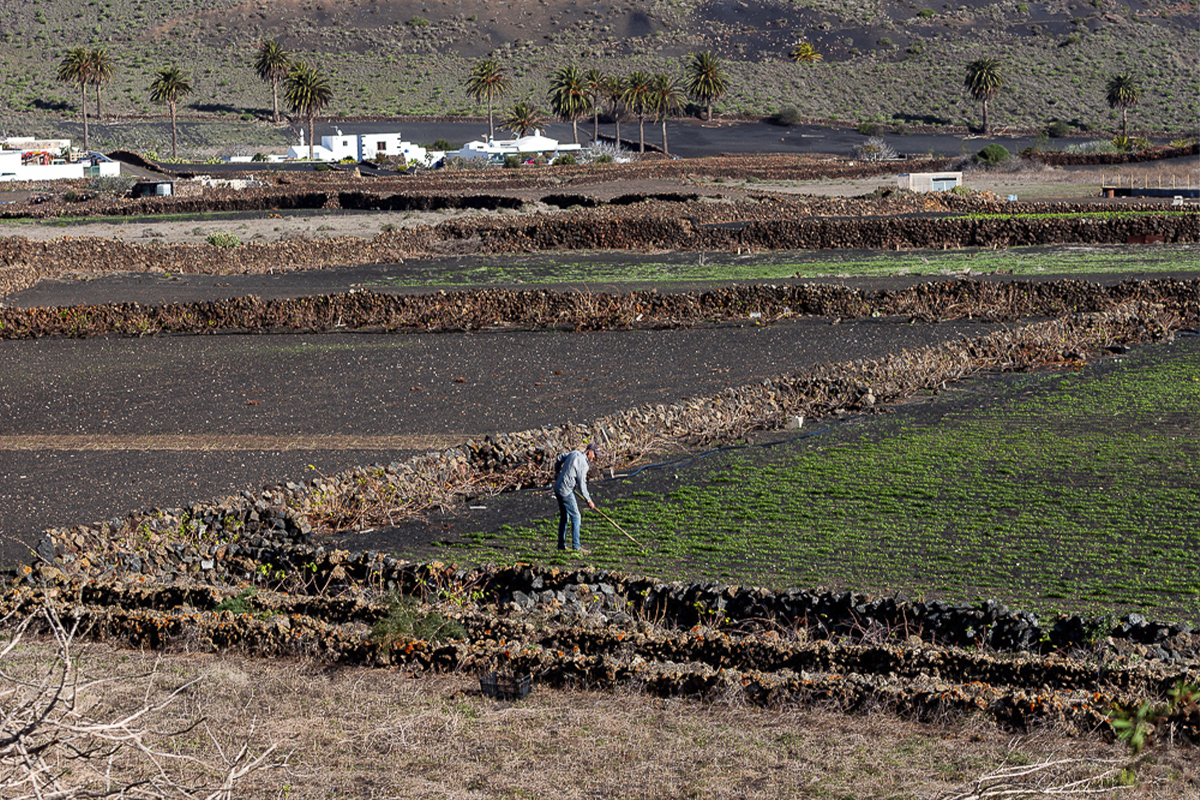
column 706, row 80
column 637, row 97
column 569, row 97
column 614, row 93
column 1123, row 93
column 594, row 80
column 76, row 68
column 170, row 86
column 272, row 66
column 665, row 98
column 100, row 72
column 487, row 81
column 804, row 53
column 307, row 93
column 983, row 82
column 522, row 118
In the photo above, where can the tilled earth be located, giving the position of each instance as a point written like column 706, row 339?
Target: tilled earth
column 96, row 427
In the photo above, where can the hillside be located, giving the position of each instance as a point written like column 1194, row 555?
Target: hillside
column 895, row 62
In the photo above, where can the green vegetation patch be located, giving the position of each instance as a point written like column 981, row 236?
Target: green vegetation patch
column 690, row 268
column 1072, row 491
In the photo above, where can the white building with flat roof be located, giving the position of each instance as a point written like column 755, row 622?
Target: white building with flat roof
column 534, row 144
column 364, row 147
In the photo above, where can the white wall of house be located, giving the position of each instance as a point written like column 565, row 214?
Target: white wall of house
column 365, row 147
column 97, row 166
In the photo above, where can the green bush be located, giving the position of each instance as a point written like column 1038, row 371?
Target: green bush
column 259, row 157
column 1123, row 143
column 223, row 240
column 511, row 162
column 993, row 154
column 788, row 115
column 603, row 159
column 565, row 160
column 418, row 22
column 442, row 144
column 1057, row 129
column 406, row 620
column 925, row 13
column 868, row 128
column 237, row 604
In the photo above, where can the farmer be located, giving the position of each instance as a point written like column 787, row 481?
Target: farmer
column 570, row 473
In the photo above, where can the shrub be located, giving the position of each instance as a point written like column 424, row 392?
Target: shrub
column 787, row 115
column 566, row 160
column 418, row 22
column 405, row 619
column 875, row 149
column 1058, row 129
column 259, row 157
column 1123, row 144
column 112, row 185
column 925, row 13
column 72, row 196
column 512, row 162
column 223, row 240
column 323, row 168
column 237, row 604
column 604, row 158
column 442, row 144
column 868, row 128
column 992, row 155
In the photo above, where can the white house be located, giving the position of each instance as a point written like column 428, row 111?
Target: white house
column 497, row 149
column 364, row 147
column 25, row 159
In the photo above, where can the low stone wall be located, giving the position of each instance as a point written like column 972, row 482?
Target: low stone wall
column 542, row 309
column 758, row 223
column 17, row 277
column 604, row 629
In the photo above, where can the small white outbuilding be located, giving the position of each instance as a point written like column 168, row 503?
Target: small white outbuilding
column 930, row 181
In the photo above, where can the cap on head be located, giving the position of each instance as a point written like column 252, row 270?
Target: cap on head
column 591, row 448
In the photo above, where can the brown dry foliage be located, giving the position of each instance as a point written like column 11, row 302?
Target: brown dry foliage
column 380, row 733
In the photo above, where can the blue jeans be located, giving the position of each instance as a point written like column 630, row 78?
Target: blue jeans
column 568, row 510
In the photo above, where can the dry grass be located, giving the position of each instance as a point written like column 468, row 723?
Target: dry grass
column 385, row 734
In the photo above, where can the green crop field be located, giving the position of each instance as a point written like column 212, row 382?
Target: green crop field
column 1067, row 491
column 689, row 268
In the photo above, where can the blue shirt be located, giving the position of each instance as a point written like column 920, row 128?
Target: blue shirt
column 572, row 475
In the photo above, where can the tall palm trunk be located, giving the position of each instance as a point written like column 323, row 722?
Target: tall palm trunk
column 664, row 127
column 87, row 145
column 174, row 151
column 310, row 137
column 641, row 133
